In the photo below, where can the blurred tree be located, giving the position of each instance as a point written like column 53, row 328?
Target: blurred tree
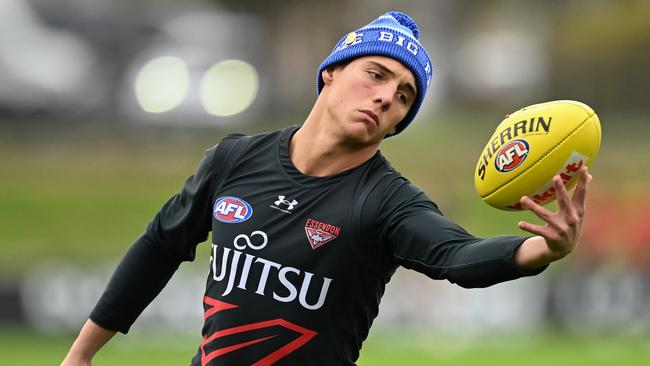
column 600, row 54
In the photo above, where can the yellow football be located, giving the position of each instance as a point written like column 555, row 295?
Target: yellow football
column 532, row 145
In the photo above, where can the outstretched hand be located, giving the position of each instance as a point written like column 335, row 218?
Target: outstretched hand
column 562, row 229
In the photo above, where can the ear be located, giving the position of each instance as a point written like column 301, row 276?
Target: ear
column 328, row 75
column 393, row 129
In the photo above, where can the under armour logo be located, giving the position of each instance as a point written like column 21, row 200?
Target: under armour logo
column 290, row 204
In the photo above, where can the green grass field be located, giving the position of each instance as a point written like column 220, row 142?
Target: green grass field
column 23, row 348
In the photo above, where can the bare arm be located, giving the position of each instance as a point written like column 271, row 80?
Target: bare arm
column 561, row 233
column 91, row 338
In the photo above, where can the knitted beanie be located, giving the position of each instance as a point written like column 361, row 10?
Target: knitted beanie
column 394, row 35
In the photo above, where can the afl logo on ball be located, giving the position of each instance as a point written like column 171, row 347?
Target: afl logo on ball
column 232, row 210
column 511, row 155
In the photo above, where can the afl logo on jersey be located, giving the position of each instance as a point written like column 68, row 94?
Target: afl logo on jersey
column 232, row 210
column 511, row 155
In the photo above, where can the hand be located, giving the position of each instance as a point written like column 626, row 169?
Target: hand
column 561, row 232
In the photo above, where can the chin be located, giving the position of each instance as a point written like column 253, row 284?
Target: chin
column 361, row 135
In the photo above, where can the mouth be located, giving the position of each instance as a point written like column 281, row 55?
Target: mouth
column 371, row 114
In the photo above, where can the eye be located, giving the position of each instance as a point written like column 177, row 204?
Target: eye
column 403, row 98
column 375, row 75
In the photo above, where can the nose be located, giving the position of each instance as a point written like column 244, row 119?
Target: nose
column 384, row 95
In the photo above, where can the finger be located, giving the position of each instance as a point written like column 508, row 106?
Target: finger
column 532, row 228
column 562, row 194
column 579, row 198
column 535, row 208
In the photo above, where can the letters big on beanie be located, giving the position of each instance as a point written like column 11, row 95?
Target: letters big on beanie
column 394, row 35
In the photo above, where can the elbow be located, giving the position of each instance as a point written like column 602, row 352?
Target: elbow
column 467, row 278
column 471, row 283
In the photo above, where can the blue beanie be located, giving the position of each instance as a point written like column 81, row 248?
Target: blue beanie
column 394, row 35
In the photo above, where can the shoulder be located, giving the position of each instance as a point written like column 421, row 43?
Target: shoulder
column 391, row 206
column 261, row 136
column 391, row 199
column 219, row 159
column 221, row 149
column 395, row 191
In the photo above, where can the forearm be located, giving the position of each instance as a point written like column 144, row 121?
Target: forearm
column 487, row 262
column 534, row 253
column 470, row 263
column 91, row 339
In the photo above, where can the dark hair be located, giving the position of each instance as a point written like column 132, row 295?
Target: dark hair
column 341, row 64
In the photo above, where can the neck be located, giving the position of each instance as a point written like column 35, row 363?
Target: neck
column 319, row 149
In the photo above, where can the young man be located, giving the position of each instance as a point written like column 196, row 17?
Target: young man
column 309, row 223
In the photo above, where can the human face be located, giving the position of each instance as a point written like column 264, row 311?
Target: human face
column 368, row 97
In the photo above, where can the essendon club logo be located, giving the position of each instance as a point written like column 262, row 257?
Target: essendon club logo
column 319, row 233
column 511, row 155
column 232, row 210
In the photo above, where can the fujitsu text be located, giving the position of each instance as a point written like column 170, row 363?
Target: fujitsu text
column 251, row 273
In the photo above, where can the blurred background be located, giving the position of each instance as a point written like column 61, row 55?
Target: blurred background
column 107, row 106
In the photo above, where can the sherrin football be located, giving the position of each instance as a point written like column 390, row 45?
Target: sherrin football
column 532, row 145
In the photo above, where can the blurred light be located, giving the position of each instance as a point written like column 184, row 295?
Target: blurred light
column 228, row 87
column 502, row 61
column 162, row 84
